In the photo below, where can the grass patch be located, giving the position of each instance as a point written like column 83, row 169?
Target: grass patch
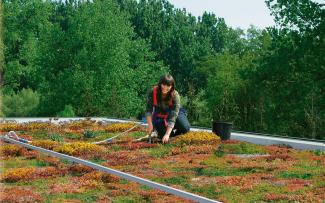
column 98, row 161
column 56, row 138
column 122, row 199
column 87, row 196
column 124, row 181
column 42, row 185
column 313, row 167
column 239, row 148
column 160, row 151
column 289, row 174
column 116, row 148
column 73, row 136
column 144, row 187
column 19, row 162
column 319, row 152
column 137, row 134
column 41, row 135
column 93, row 136
column 205, row 190
column 177, row 180
column 218, row 171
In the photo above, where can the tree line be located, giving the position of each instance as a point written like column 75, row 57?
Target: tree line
column 100, row 57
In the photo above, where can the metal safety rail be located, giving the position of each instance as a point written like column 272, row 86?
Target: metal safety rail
column 267, row 139
column 121, row 174
column 256, row 138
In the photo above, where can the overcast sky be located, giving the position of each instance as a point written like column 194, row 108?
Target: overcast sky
column 237, row 13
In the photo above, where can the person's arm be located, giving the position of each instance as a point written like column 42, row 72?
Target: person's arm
column 167, row 135
column 150, row 126
column 172, row 117
column 149, row 108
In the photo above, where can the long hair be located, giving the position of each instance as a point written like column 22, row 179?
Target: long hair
column 166, row 79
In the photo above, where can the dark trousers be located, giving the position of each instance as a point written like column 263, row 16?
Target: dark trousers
column 182, row 125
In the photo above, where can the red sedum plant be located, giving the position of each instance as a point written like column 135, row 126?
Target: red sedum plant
column 11, row 150
column 17, row 194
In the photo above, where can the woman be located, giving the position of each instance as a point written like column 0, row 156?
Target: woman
column 164, row 113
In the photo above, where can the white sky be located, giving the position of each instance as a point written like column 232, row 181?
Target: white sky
column 237, row 13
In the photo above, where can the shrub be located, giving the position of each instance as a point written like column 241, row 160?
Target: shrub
column 89, row 134
column 21, row 104
column 66, row 112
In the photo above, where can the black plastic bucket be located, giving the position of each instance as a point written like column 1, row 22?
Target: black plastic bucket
column 222, row 129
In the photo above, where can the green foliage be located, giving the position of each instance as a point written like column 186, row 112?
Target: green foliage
column 89, row 134
column 222, row 86
column 101, row 57
column 319, row 152
column 290, row 174
column 106, row 68
column 171, row 34
column 137, row 134
column 160, row 151
column 220, row 152
column 1, row 104
column 177, row 180
column 66, row 112
column 2, row 59
column 304, row 15
column 209, row 191
column 239, row 148
column 198, row 109
column 24, row 21
column 291, row 71
column 56, row 137
column 220, row 171
column 72, row 136
column 22, row 104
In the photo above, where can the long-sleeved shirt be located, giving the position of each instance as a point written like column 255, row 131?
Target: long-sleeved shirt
column 163, row 107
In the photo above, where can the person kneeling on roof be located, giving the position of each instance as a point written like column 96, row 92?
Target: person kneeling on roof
column 164, row 113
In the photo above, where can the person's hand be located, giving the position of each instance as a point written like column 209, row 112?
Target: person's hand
column 150, row 129
column 165, row 139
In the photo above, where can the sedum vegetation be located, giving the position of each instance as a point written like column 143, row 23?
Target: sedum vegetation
column 196, row 162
